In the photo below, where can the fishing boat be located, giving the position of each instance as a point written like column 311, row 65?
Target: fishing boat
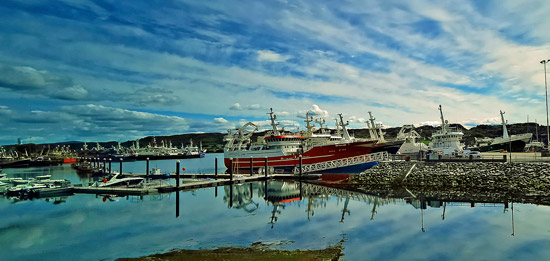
column 285, row 151
column 376, row 133
column 446, row 141
column 514, row 143
column 410, row 145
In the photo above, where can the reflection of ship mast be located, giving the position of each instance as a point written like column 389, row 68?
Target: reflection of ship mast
column 345, row 210
column 274, row 213
column 422, row 215
column 310, row 208
column 374, row 208
column 444, row 207
column 513, row 229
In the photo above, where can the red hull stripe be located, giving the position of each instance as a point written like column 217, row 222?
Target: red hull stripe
column 315, row 155
column 284, row 136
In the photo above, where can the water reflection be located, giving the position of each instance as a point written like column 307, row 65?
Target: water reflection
column 280, row 194
column 310, row 215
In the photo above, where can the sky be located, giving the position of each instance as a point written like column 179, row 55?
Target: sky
column 78, row 70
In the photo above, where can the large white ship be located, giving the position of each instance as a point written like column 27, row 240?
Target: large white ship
column 447, row 140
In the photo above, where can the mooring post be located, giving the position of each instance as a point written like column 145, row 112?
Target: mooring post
column 120, row 166
column 177, row 204
column 251, row 191
column 231, row 195
column 251, row 169
column 177, row 174
column 300, row 165
column 216, row 168
column 231, row 169
column 110, row 159
column 266, row 169
column 147, row 173
column 104, row 165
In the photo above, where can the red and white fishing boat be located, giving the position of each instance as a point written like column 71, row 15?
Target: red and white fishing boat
column 320, row 153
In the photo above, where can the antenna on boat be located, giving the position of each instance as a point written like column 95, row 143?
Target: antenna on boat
column 321, row 121
column 372, row 127
column 309, row 127
column 344, row 130
column 504, row 130
column 443, row 122
column 273, row 117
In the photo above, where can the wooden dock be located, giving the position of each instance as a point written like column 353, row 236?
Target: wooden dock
column 188, row 182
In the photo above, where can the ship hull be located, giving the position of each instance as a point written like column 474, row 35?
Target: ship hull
column 392, row 147
column 319, row 154
column 516, row 146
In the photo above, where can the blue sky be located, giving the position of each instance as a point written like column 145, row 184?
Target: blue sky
column 120, row 70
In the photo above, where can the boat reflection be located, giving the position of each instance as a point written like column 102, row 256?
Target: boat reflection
column 282, row 194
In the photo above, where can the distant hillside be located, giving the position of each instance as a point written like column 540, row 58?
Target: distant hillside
column 213, row 142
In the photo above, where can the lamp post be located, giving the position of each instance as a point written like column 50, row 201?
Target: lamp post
column 546, row 94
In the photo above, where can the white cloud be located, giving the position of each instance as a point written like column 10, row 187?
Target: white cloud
column 270, row 56
column 317, row 111
column 220, row 120
column 236, row 107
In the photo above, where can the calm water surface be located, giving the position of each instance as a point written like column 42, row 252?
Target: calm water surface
column 90, row 227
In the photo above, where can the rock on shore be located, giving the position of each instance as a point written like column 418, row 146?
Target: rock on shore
column 512, row 177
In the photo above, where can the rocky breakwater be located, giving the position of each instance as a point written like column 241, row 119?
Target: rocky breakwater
column 463, row 181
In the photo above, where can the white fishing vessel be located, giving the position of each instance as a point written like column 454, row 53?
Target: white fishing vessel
column 446, row 141
column 410, row 145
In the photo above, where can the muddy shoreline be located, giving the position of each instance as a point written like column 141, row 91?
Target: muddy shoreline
column 256, row 251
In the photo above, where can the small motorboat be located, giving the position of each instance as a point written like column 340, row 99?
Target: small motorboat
column 115, row 179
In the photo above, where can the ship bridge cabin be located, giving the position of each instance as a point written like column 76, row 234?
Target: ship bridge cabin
column 289, row 144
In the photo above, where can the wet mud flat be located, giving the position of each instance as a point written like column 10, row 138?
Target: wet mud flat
column 458, row 181
column 256, row 251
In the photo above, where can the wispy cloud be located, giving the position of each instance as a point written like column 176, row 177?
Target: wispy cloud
column 236, row 60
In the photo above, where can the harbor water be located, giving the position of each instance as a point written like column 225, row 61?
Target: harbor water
column 283, row 214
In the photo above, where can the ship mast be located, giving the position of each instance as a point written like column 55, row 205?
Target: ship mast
column 309, row 127
column 344, row 130
column 504, row 130
column 372, row 127
column 321, row 121
column 443, row 123
column 273, row 117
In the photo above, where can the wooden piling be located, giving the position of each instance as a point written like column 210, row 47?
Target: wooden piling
column 147, row 169
column 177, row 174
column 266, row 169
column 177, row 204
column 300, row 165
column 251, row 191
column 110, row 159
column 231, row 195
column 120, row 166
column 230, row 169
column 216, row 168
column 104, row 165
column 251, row 168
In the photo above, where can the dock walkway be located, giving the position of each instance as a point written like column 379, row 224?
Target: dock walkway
column 196, row 181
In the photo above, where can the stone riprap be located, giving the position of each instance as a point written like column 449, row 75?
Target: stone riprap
column 512, row 177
